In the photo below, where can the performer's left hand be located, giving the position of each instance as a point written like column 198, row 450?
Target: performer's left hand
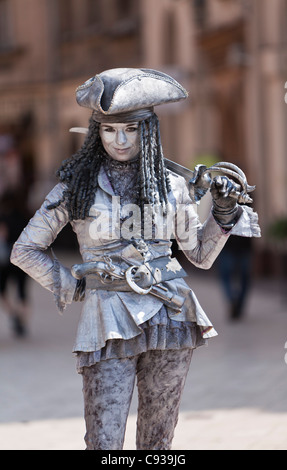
column 225, row 193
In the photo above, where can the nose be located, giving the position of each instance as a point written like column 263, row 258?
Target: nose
column 121, row 137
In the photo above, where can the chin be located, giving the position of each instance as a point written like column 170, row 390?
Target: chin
column 123, row 157
column 120, row 158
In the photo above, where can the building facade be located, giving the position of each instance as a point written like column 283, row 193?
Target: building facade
column 229, row 54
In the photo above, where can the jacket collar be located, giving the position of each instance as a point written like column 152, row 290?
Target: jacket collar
column 104, row 182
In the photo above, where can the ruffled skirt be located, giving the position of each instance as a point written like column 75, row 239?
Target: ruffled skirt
column 159, row 332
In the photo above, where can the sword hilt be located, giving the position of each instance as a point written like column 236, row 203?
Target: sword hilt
column 201, row 181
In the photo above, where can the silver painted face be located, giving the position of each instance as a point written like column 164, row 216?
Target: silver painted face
column 120, row 140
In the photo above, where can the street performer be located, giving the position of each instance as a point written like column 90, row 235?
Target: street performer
column 126, row 203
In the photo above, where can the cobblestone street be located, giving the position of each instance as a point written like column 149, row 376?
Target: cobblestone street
column 235, row 396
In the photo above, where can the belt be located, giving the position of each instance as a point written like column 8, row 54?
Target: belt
column 143, row 279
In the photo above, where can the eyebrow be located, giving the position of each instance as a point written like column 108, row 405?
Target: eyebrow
column 130, row 124
column 110, row 126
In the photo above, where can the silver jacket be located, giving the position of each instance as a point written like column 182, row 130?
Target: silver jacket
column 116, row 314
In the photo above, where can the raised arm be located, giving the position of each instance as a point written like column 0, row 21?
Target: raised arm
column 202, row 243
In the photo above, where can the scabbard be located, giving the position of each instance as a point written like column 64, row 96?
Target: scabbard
column 168, row 298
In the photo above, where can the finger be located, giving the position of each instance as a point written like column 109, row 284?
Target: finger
column 229, row 186
column 222, row 185
column 235, row 194
column 218, row 181
column 236, row 187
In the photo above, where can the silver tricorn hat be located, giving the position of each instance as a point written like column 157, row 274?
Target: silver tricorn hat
column 121, row 90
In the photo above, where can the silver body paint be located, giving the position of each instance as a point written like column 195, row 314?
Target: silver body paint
column 115, row 314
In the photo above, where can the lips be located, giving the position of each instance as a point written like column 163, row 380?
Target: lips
column 122, row 150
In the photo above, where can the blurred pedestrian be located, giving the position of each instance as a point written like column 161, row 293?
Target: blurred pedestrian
column 13, row 218
column 17, row 305
column 235, row 268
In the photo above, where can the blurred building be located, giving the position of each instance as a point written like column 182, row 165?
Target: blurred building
column 229, row 54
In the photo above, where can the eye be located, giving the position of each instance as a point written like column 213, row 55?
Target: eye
column 108, row 129
column 132, row 129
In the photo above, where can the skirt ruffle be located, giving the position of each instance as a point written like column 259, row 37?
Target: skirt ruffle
column 160, row 332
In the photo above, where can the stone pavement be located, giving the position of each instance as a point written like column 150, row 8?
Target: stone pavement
column 235, row 396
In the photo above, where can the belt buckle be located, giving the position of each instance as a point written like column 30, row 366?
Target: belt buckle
column 129, row 275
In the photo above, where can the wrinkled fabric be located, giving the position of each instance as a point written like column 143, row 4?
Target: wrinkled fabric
column 108, row 388
column 160, row 332
column 118, row 315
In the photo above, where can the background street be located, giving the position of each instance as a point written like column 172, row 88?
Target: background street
column 235, row 396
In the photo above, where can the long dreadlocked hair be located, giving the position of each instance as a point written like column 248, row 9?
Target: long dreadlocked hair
column 80, row 172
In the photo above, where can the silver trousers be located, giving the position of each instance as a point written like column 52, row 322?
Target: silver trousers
column 108, row 388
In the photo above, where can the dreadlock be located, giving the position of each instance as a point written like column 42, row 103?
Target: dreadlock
column 80, row 172
column 154, row 181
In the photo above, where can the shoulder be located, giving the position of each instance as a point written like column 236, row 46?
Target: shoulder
column 177, row 182
column 179, row 190
column 175, row 179
column 56, row 194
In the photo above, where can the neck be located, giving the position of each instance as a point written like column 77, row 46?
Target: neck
column 112, row 163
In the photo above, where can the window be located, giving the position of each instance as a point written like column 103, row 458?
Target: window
column 124, row 8
column 170, row 40
column 94, row 12
column 5, row 25
column 66, row 16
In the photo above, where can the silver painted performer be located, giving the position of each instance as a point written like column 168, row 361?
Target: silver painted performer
column 126, row 203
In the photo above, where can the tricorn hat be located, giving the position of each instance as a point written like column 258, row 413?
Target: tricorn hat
column 121, row 93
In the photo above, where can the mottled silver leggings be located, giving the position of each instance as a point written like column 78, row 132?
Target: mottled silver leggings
column 108, row 388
